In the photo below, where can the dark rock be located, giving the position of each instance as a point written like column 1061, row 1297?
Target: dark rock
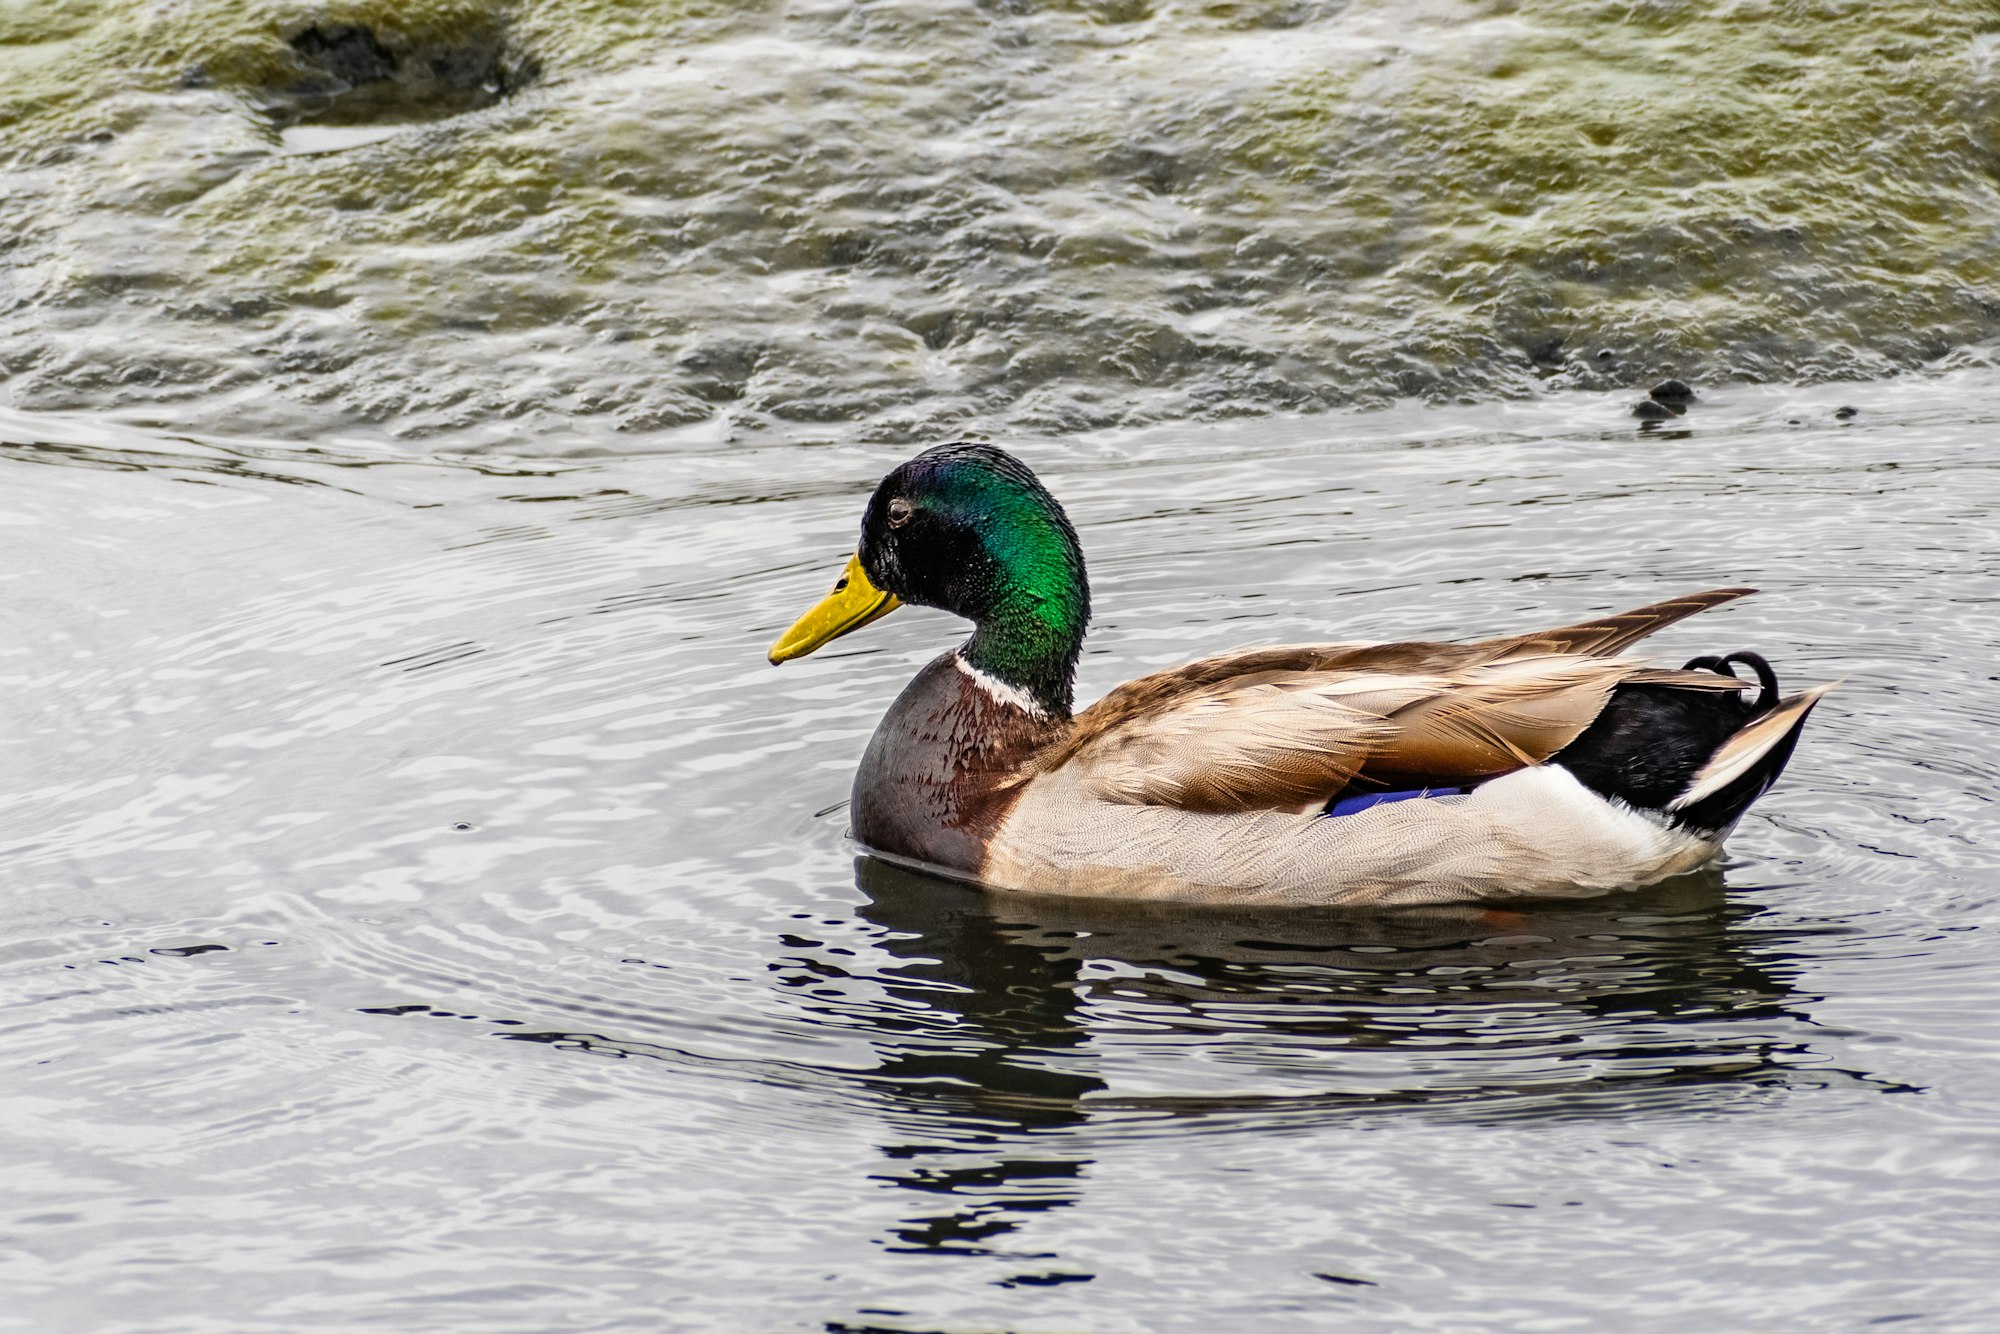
column 348, row 52
column 1847, row 414
column 1547, row 351
column 355, row 74
column 1649, row 411
column 1671, row 392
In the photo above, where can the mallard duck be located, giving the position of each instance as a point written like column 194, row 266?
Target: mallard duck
column 1535, row 766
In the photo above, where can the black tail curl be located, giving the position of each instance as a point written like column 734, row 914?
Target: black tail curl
column 1767, row 680
column 1651, row 740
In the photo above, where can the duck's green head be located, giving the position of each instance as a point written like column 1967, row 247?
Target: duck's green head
column 967, row 527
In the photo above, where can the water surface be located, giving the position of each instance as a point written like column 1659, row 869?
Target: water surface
column 425, row 910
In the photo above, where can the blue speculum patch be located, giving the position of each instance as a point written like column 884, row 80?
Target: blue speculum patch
column 1350, row 805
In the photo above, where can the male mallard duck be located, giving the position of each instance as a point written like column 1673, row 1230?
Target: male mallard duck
column 1534, row 766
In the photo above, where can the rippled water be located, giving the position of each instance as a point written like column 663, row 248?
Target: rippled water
column 567, row 225
column 425, row 910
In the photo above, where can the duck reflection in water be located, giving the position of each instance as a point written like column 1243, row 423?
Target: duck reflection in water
column 1005, row 1012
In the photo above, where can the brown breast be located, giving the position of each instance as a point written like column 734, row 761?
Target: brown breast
column 944, row 767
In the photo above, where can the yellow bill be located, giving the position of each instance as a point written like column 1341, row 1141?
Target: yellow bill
column 852, row 604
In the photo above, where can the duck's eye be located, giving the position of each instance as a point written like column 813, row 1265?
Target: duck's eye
column 899, row 512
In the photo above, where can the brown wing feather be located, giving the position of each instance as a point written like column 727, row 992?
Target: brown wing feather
column 1274, row 740
column 1602, row 637
column 1291, row 727
column 1494, row 719
column 1608, row 635
column 1294, row 740
column 1680, row 680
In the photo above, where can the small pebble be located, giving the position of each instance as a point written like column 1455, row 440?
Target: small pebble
column 1847, row 414
column 461, row 825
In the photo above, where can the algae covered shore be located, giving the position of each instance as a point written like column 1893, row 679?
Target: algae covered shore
column 583, row 226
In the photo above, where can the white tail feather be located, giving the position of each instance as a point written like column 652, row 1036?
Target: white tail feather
column 1738, row 755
